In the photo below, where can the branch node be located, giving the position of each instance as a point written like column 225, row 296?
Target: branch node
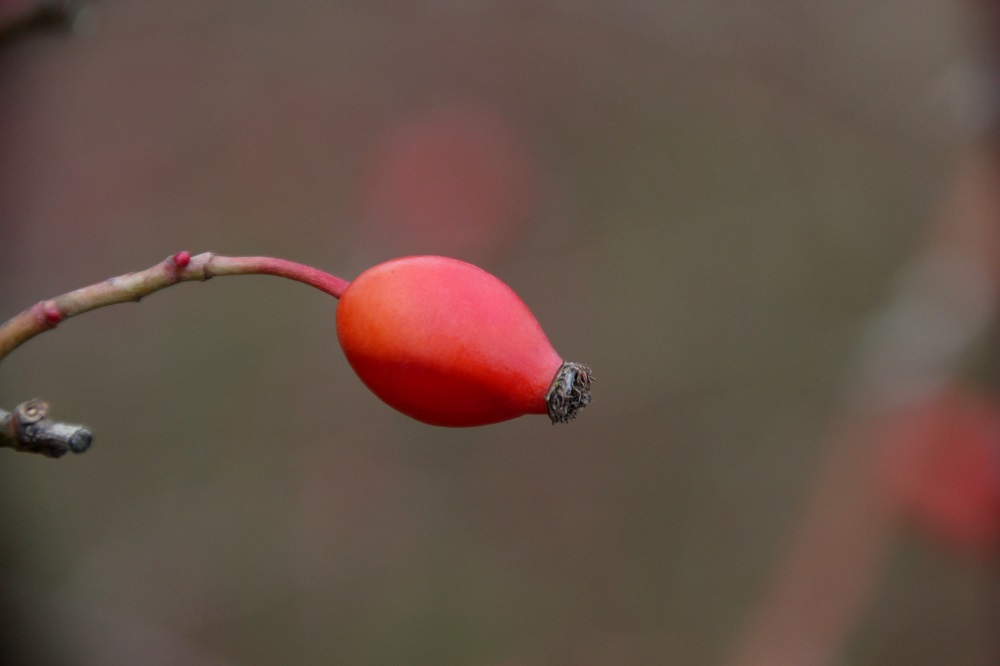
column 175, row 266
column 206, row 270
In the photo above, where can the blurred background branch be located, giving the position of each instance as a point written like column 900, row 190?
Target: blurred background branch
column 21, row 18
column 917, row 346
column 734, row 187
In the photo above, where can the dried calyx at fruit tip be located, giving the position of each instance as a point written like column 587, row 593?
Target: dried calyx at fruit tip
column 569, row 392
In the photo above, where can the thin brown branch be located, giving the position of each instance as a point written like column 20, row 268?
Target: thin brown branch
column 27, row 428
column 175, row 269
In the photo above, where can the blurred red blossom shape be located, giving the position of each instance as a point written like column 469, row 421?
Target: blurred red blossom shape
column 455, row 180
column 942, row 460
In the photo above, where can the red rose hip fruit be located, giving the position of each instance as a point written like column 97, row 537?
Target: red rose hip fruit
column 449, row 344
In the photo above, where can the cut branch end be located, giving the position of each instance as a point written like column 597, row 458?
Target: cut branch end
column 28, row 428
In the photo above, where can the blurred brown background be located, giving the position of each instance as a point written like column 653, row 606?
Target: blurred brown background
column 701, row 200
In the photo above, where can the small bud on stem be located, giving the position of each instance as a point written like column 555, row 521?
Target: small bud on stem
column 438, row 339
column 180, row 267
column 27, row 428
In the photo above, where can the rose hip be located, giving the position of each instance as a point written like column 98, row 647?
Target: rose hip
column 449, row 344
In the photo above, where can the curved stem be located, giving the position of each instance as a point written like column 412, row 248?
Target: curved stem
column 45, row 315
column 181, row 267
column 219, row 265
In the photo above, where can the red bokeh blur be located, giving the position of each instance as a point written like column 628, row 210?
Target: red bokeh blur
column 943, row 465
column 457, row 180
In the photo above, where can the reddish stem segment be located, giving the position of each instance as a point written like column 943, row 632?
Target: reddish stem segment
column 313, row 277
column 181, row 267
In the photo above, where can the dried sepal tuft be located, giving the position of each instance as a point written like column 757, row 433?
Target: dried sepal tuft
column 569, row 392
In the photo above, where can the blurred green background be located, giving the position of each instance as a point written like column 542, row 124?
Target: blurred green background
column 703, row 201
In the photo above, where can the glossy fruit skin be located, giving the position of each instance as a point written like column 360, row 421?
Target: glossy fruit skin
column 445, row 342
